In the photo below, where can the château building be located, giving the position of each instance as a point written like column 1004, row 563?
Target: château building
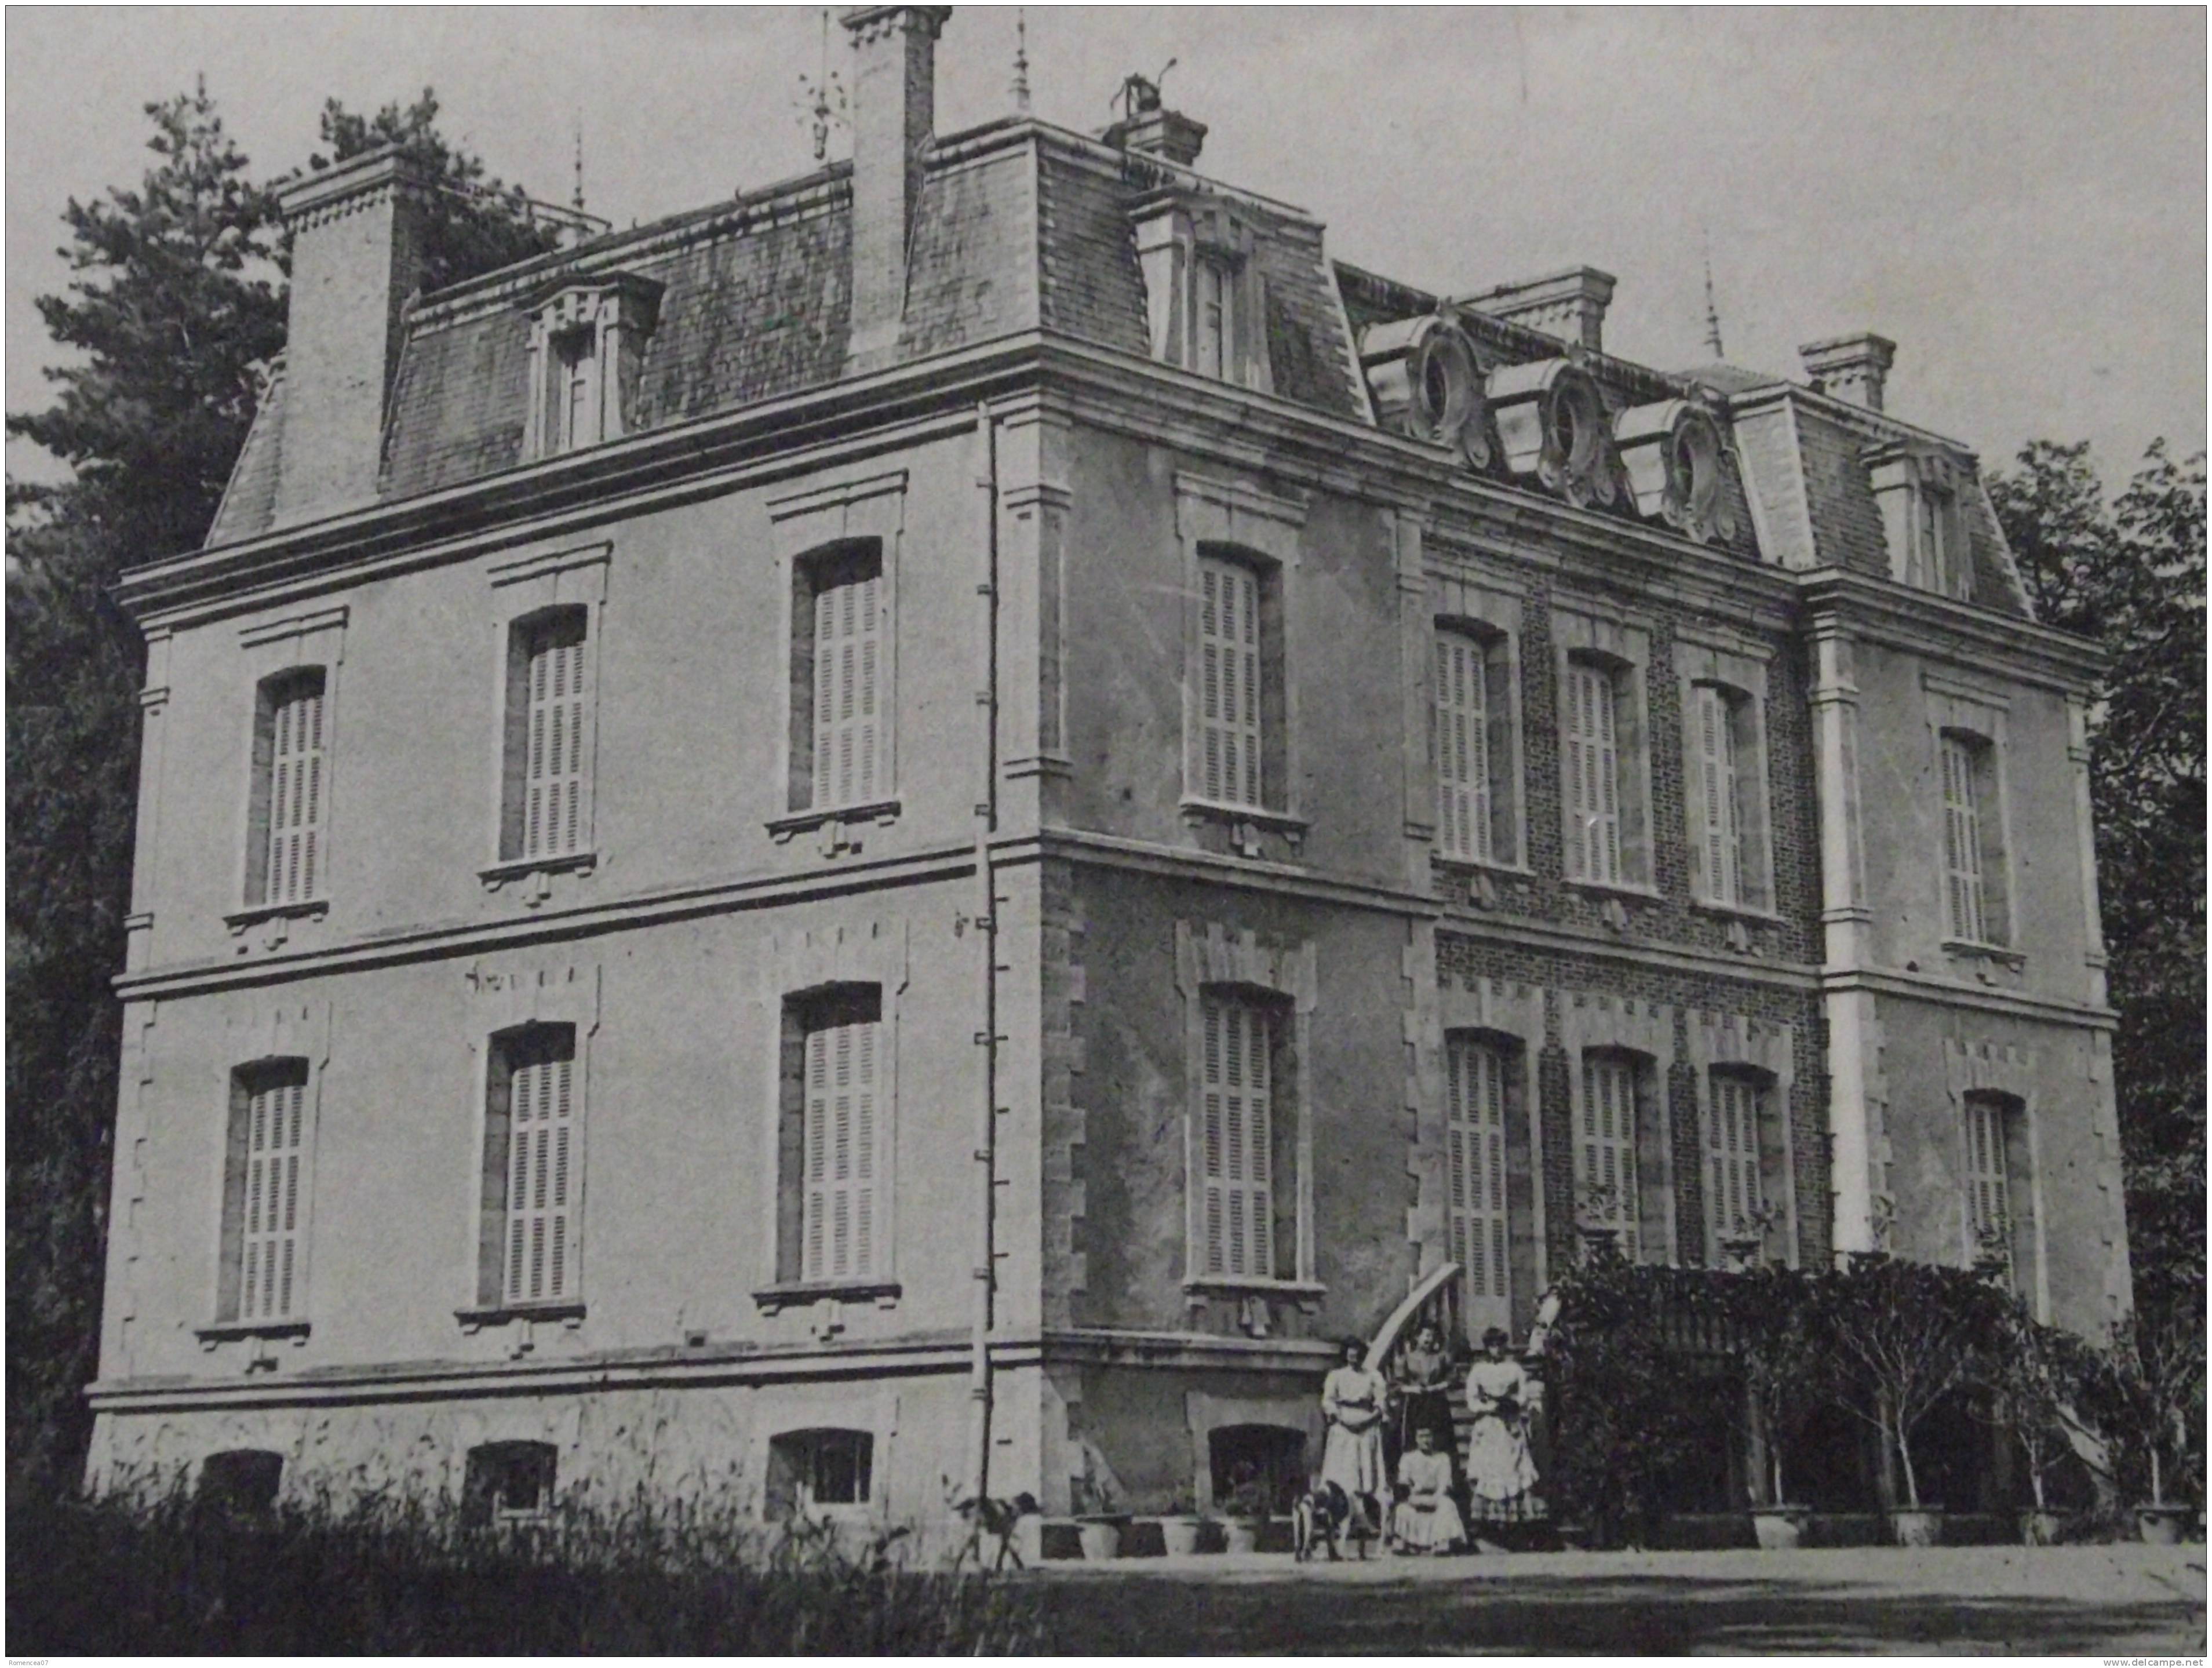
column 935, row 821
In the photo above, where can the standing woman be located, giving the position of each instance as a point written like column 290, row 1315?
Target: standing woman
column 1352, row 1402
column 1422, row 1375
column 1501, row 1475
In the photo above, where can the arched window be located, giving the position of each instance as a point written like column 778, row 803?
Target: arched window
column 290, row 790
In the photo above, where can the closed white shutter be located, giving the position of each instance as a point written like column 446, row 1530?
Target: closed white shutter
column 1235, row 1138
column 1714, row 736
column 542, row 1253
column 839, row 1224
column 553, row 767
column 1228, row 759
column 848, row 668
column 1592, row 771
column 1732, row 1143
column 1462, row 748
column 1475, row 1131
column 270, row 1286
column 1605, row 1155
column 1962, row 842
column 1988, row 1199
column 295, row 794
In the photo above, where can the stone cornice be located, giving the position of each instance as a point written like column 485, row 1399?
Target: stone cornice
column 1921, row 987
column 1901, row 616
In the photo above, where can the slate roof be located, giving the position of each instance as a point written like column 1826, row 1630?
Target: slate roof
column 1019, row 226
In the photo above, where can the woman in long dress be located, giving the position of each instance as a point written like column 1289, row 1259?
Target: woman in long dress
column 1427, row 1519
column 1352, row 1402
column 1421, row 1376
column 1501, row 1475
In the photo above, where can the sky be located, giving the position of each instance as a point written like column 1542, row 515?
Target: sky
column 2016, row 197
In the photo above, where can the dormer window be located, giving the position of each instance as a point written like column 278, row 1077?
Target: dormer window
column 586, row 349
column 1203, row 294
column 1918, row 488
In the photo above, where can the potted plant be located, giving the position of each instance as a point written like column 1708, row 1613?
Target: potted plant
column 1784, row 1372
column 1097, row 1523
column 1910, row 1334
column 2152, row 1384
column 2033, row 1374
column 1250, row 1503
column 1181, row 1525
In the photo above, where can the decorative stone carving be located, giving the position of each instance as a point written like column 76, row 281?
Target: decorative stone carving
column 1552, row 423
column 1672, row 453
column 1426, row 382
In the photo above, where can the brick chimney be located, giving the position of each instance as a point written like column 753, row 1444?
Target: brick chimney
column 894, row 107
column 1852, row 368
column 357, row 258
column 1569, row 305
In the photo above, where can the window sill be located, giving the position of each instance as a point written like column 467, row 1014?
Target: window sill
column 475, row 1320
column 797, row 1294
column 1469, row 866
column 1217, row 1285
column 2015, row 959
column 1275, row 822
column 1746, row 912
column 782, row 829
column 528, row 868
column 1617, row 889
column 222, row 1332
column 306, row 908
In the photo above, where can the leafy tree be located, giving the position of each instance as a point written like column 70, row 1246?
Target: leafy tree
column 176, row 293
column 2131, row 575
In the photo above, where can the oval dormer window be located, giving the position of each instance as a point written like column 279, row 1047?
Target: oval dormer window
column 1423, row 375
column 1676, row 462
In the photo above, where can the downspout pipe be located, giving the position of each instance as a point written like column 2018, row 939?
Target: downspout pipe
column 986, row 943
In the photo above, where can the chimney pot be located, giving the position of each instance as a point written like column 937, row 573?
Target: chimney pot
column 1569, row 305
column 894, row 111
column 1850, row 368
column 357, row 259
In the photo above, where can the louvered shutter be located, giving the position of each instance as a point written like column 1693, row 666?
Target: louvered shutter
column 1732, row 1142
column 1475, row 1132
column 1962, row 842
column 1592, row 773
column 542, row 1252
column 1714, row 735
column 1230, row 697
column 1988, row 1197
column 849, row 696
column 554, row 784
column 1607, row 1152
column 271, row 1275
column 295, row 794
column 1235, row 1141
column 839, row 1233
column 1462, row 748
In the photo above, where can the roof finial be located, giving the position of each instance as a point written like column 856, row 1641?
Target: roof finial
column 1021, row 60
column 1712, row 311
column 576, row 196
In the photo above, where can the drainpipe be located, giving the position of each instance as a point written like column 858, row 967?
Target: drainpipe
column 987, row 937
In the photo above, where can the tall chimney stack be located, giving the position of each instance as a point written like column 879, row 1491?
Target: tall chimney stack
column 894, row 108
column 356, row 257
column 1569, row 305
column 1852, row 368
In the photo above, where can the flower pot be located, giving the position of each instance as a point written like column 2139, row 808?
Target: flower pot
column 1100, row 1538
column 1779, row 1528
column 1242, row 1533
column 1179, row 1536
column 2160, row 1526
column 2039, row 1526
column 1915, row 1525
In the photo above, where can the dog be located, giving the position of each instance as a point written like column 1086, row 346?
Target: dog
column 1323, row 1513
column 994, row 1519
